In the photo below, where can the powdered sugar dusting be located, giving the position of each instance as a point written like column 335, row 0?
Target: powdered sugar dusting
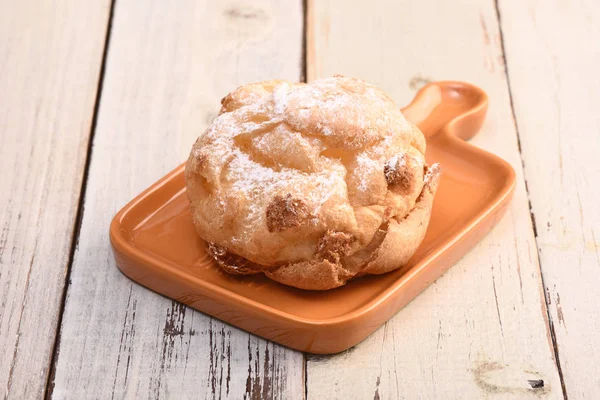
column 280, row 97
column 258, row 184
column 366, row 167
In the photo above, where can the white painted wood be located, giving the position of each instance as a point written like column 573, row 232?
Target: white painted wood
column 168, row 67
column 480, row 331
column 50, row 57
column 553, row 51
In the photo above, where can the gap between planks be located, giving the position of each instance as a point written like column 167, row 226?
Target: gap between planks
column 304, row 78
column 80, row 206
column 550, row 323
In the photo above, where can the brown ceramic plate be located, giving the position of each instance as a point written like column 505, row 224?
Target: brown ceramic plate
column 155, row 243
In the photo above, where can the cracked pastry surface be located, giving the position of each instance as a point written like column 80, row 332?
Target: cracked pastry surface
column 310, row 184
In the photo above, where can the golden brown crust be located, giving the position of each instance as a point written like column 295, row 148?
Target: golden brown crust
column 404, row 234
column 311, row 184
column 315, row 275
column 399, row 177
column 334, row 245
column 232, row 263
column 285, row 212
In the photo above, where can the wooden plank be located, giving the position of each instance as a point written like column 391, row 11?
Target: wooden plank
column 50, row 57
column 168, row 67
column 553, row 51
column 479, row 331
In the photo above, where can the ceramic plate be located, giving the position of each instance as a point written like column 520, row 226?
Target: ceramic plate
column 155, row 243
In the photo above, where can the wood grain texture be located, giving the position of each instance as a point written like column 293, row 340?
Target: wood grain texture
column 168, row 67
column 481, row 330
column 553, row 53
column 50, row 57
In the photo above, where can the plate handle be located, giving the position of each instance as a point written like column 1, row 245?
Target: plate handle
column 448, row 107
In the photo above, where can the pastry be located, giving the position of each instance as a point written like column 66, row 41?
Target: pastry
column 311, row 184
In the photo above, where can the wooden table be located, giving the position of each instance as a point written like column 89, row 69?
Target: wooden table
column 98, row 100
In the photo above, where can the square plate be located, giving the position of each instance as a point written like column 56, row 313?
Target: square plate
column 155, row 244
